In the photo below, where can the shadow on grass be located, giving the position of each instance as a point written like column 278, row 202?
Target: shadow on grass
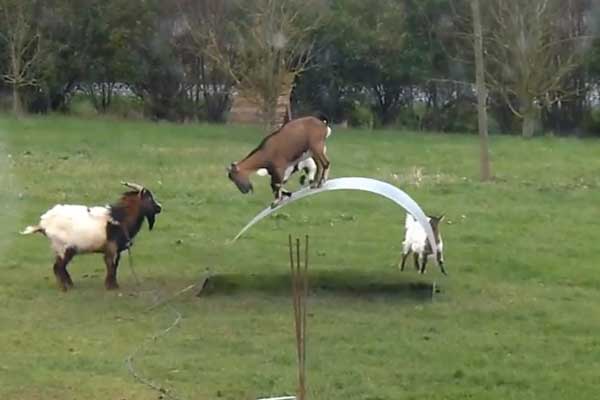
column 353, row 283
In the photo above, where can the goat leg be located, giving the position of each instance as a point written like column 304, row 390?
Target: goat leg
column 423, row 263
column 441, row 263
column 69, row 254
column 69, row 281
column 404, row 257
column 278, row 193
column 277, row 188
column 326, row 172
column 59, row 273
column 110, row 282
column 318, row 174
column 322, row 168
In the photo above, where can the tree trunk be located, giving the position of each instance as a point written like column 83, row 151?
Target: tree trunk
column 529, row 122
column 270, row 115
column 484, row 155
column 17, row 106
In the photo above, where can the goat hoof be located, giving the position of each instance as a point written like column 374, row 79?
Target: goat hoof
column 111, row 286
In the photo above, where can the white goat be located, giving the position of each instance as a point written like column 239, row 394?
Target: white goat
column 416, row 242
column 74, row 226
column 75, row 229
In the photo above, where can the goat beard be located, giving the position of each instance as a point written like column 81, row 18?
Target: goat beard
column 245, row 188
column 243, row 185
column 151, row 219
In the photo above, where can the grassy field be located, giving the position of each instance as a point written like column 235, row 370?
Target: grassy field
column 516, row 319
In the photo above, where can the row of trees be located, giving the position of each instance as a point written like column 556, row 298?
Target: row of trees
column 383, row 62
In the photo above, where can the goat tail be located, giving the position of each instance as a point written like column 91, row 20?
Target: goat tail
column 262, row 172
column 33, row 229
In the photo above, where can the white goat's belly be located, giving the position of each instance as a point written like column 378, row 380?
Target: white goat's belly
column 73, row 226
column 415, row 239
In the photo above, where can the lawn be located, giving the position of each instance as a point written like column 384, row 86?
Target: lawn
column 517, row 317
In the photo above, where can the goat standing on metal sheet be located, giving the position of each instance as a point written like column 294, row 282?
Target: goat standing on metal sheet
column 297, row 140
column 416, row 242
column 75, row 229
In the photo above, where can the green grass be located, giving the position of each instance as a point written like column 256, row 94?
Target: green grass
column 516, row 319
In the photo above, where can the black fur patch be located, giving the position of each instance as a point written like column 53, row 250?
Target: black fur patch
column 324, row 118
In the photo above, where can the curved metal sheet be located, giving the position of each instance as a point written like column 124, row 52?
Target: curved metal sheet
column 355, row 183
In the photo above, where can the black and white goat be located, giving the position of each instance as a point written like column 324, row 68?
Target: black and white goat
column 76, row 229
column 416, row 242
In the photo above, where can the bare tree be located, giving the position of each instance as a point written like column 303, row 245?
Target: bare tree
column 263, row 52
column 22, row 41
column 484, row 154
column 205, row 25
column 529, row 51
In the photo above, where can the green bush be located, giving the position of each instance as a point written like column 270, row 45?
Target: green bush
column 126, row 107
column 5, row 101
column 361, row 116
column 459, row 115
column 409, row 118
column 82, row 106
column 591, row 121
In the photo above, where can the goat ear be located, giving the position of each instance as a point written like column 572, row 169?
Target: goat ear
column 440, row 218
column 434, row 221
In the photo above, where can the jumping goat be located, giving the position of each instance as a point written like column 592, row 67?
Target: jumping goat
column 416, row 242
column 76, row 229
column 297, row 140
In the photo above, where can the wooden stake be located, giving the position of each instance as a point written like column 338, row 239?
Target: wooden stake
column 299, row 295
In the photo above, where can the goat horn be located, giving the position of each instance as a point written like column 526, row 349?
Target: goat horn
column 134, row 186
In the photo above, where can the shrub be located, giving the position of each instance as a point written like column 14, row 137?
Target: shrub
column 361, row 116
column 127, row 107
column 409, row 118
column 82, row 106
column 591, row 121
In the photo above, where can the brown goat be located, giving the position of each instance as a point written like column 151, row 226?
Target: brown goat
column 298, row 139
column 75, row 229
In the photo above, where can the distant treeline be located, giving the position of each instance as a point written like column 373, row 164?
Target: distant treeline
column 401, row 63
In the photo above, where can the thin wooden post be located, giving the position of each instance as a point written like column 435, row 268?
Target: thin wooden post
column 484, row 153
column 299, row 295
